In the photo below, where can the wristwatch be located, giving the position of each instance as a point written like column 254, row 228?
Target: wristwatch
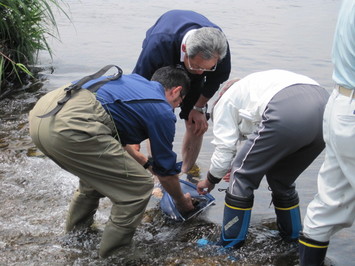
column 148, row 163
column 202, row 110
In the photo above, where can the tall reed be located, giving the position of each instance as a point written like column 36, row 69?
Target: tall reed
column 24, row 27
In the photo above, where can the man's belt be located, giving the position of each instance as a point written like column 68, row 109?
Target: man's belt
column 346, row 92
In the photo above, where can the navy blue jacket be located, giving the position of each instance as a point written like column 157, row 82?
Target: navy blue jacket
column 162, row 47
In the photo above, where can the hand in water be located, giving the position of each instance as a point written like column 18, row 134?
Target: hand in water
column 187, row 204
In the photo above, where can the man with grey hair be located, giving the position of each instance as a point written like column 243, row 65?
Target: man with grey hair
column 191, row 40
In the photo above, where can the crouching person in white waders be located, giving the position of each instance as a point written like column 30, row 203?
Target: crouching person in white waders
column 85, row 134
column 279, row 115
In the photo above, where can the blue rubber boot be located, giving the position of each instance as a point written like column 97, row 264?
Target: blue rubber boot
column 236, row 219
column 288, row 216
column 312, row 252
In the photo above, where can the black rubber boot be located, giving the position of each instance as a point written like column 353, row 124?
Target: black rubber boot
column 312, row 252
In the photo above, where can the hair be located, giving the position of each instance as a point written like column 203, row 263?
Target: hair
column 172, row 76
column 208, row 41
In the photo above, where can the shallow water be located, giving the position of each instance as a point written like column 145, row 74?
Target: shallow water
column 35, row 193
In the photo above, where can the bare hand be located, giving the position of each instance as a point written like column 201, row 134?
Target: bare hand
column 204, row 187
column 186, row 205
column 227, row 177
column 198, row 121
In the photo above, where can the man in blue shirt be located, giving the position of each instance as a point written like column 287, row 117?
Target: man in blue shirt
column 190, row 39
column 333, row 208
column 86, row 138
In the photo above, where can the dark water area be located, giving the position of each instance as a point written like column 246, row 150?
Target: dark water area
column 35, row 193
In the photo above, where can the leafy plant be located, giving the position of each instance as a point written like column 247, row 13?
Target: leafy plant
column 24, row 26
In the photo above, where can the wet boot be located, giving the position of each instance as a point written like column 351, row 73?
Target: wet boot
column 81, row 212
column 312, row 252
column 114, row 237
column 122, row 224
column 288, row 216
column 236, row 219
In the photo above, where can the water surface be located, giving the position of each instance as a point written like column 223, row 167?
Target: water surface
column 35, row 193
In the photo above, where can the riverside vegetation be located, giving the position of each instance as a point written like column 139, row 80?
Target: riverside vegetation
column 24, row 27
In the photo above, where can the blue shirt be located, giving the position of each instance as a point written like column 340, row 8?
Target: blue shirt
column 140, row 114
column 344, row 46
column 162, row 47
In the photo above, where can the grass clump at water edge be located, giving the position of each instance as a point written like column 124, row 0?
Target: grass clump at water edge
column 24, row 26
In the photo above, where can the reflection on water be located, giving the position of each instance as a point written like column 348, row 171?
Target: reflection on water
column 35, row 193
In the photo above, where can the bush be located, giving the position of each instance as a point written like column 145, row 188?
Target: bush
column 24, row 26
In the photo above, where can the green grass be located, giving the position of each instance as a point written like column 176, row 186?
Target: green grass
column 24, row 27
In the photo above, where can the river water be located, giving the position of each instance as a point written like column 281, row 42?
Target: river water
column 35, row 193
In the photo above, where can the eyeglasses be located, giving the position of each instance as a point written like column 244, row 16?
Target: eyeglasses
column 200, row 69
